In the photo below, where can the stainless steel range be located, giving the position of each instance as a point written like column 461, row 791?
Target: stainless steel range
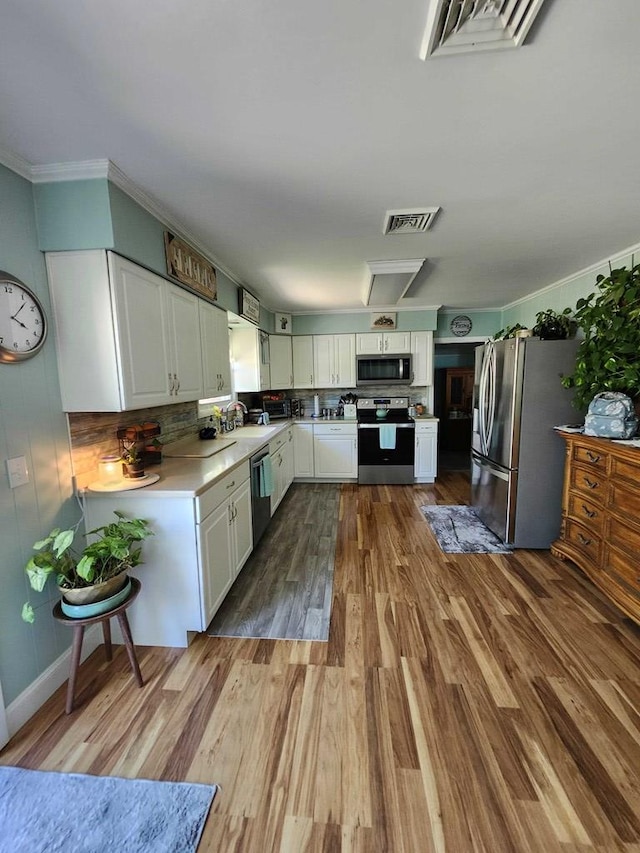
column 386, row 440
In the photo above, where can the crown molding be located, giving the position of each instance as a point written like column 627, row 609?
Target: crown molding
column 590, row 270
column 85, row 170
column 368, row 310
column 16, row 163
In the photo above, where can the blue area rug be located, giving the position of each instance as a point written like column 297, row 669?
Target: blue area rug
column 459, row 531
column 75, row 813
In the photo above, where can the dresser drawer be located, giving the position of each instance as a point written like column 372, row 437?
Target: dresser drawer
column 587, row 542
column 624, row 499
column 590, row 482
column 581, row 508
column 624, row 567
column 623, row 469
column 594, row 458
column 624, row 536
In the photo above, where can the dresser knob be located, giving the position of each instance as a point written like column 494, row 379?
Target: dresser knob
column 593, row 457
column 590, row 484
column 584, row 539
column 588, row 512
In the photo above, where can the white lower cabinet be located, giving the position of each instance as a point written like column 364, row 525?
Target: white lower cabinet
column 335, row 450
column 426, row 460
column 198, row 547
column 281, row 454
column 303, row 450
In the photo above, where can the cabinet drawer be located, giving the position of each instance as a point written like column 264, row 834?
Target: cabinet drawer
column 624, row 469
column 594, row 458
column 431, row 427
column 220, row 491
column 624, row 499
column 335, row 429
column 584, row 510
column 584, row 540
column 626, row 568
column 280, row 440
column 590, row 482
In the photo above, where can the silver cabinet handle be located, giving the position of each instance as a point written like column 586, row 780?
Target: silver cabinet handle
column 177, row 382
column 231, row 484
column 170, row 385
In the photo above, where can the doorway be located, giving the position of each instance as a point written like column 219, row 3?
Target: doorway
column 453, row 402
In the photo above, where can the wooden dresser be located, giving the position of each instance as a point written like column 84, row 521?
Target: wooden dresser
column 600, row 529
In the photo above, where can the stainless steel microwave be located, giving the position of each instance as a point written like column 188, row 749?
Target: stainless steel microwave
column 384, row 369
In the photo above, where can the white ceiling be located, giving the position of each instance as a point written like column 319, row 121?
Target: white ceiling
column 279, row 133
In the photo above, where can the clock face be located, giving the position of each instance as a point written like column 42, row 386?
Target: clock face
column 23, row 325
column 460, row 325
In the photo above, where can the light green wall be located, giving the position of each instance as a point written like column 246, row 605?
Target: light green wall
column 73, row 215
column 564, row 293
column 31, row 425
column 330, row 324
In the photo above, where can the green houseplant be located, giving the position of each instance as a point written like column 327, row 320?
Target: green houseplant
column 509, row 332
column 608, row 356
column 110, row 555
column 555, row 325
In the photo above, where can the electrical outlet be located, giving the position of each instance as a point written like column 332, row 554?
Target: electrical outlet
column 17, row 471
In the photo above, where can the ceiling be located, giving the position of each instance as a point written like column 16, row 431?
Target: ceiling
column 279, row 135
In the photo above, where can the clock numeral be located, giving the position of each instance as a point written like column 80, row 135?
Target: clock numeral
column 8, row 288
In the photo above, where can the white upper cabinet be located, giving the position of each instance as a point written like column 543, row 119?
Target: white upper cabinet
column 250, row 359
column 422, row 358
column 125, row 337
column 281, row 363
column 372, row 343
column 216, row 367
column 334, row 361
column 302, row 352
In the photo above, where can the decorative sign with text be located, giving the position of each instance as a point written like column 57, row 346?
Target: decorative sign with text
column 189, row 267
column 249, row 306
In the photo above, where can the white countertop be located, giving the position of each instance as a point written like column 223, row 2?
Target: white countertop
column 190, row 477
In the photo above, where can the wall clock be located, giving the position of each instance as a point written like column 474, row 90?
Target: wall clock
column 23, row 323
column 461, row 325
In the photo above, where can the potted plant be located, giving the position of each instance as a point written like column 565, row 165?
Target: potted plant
column 607, row 357
column 132, row 461
column 555, row 325
column 510, row 332
column 98, row 572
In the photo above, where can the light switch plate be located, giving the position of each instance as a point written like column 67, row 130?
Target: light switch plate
column 17, row 471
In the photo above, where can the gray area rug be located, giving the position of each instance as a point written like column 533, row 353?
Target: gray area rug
column 76, row 813
column 459, row 531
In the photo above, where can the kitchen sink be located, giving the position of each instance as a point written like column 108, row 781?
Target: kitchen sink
column 255, row 431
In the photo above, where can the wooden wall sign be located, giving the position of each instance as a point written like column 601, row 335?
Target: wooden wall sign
column 189, row 267
column 249, row 306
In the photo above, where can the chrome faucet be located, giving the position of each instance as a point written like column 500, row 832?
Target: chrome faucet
column 234, row 405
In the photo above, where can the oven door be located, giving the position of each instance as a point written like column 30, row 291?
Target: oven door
column 386, row 464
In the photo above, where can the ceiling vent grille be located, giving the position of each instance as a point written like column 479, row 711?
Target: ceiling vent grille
column 461, row 26
column 409, row 221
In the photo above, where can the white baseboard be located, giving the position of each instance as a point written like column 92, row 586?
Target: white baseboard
column 30, row 700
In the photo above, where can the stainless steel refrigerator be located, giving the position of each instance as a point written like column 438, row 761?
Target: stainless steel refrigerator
column 517, row 459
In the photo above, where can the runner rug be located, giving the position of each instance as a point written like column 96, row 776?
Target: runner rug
column 459, row 531
column 64, row 812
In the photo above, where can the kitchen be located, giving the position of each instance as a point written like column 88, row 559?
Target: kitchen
column 33, row 425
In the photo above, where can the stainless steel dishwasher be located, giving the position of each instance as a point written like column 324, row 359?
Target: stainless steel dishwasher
column 260, row 505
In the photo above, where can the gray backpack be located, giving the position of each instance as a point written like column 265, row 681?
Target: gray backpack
column 611, row 415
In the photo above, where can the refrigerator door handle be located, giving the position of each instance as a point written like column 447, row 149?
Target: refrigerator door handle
column 491, row 375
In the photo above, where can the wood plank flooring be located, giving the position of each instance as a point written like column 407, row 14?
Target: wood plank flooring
column 463, row 702
column 284, row 590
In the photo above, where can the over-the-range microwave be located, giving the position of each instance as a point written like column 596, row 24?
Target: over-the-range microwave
column 384, row 369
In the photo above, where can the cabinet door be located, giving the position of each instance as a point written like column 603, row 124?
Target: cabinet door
column 264, row 370
column 280, row 362
column 241, row 527
column 345, row 360
column 186, row 350
column 287, row 453
column 143, row 336
column 215, row 351
column 302, row 352
column 335, row 456
column 369, row 343
column 422, row 358
column 216, row 554
column 278, row 474
column 303, row 450
column 324, row 373
column 396, row 342
column 426, row 461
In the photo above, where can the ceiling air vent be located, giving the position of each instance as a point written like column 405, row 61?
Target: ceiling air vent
column 409, row 221
column 461, row 26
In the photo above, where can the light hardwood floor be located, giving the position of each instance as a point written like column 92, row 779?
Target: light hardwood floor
column 462, row 703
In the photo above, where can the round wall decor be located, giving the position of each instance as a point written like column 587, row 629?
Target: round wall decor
column 461, row 325
column 23, row 324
